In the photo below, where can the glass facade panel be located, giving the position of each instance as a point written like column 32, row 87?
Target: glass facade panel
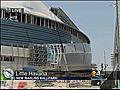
column 38, row 21
column 49, row 23
column 19, row 33
column 42, row 22
column 56, row 24
column 28, row 18
column 1, row 13
column 46, row 22
column 19, row 17
column 23, row 17
column 52, row 24
column 35, row 20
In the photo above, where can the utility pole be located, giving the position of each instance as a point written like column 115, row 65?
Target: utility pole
column 117, row 43
column 116, row 66
column 118, row 30
column 105, row 65
column 117, row 35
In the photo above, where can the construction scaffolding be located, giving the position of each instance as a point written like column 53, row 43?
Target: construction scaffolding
column 47, row 56
column 38, row 55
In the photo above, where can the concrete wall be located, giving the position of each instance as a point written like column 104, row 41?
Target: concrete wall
column 20, row 57
column 14, row 51
column 18, row 64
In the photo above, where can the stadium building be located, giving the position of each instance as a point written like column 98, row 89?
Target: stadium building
column 34, row 34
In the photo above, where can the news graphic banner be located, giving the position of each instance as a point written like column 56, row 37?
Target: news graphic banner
column 22, row 75
column 9, row 74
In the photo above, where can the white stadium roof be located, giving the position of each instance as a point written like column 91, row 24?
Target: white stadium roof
column 37, row 8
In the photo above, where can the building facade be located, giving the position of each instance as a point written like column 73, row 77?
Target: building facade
column 28, row 28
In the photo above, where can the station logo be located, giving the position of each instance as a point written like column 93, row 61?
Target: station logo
column 13, row 10
column 7, row 74
column 93, row 73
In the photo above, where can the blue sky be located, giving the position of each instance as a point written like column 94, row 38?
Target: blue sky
column 97, row 20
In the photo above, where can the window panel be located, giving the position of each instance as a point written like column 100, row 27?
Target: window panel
column 56, row 24
column 1, row 13
column 32, row 17
column 19, row 17
column 49, row 23
column 7, row 15
column 46, row 22
column 42, row 22
column 23, row 17
column 53, row 25
column 35, row 20
column 28, row 18
column 38, row 21
column 62, row 26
